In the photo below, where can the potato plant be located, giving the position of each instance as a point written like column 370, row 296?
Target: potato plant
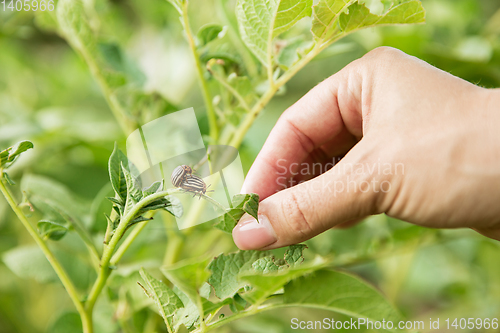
column 269, row 44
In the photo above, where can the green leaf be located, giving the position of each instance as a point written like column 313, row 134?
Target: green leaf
column 225, row 269
column 19, row 148
column 4, row 158
column 264, row 285
column 75, row 26
column 106, row 60
column 189, row 314
column 144, row 106
column 294, row 254
column 188, row 276
column 243, row 86
column 261, row 21
column 52, row 230
column 239, row 86
column 325, row 17
column 116, row 201
column 116, row 66
column 267, row 265
column 28, row 262
column 170, row 203
column 67, row 322
column 175, row 206
column 7, row 179
column 242, row 203
column 292, row 51
column 335, row 18
column 177, row 4
column 9, row 155
column 134, row 194
column 238, row 303
column 213, row 308
column 139, row 219
column 293, row 257
column 166, row 300
column 155, row 187
column 57, row 204
column 340, row 292
column 116, row 160
column 208, row 33
column 113, row 55
column 359, row 16
column 250, row 203
column 46, row 21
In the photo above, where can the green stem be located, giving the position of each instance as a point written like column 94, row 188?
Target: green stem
column 127, row 242
column 241, row 131
column 127, row 124
column 228, row 197
column 175, row 247
column 212, row 118
column 231, row 89
column 108, row 259
column 259, row 106
column 56, row 265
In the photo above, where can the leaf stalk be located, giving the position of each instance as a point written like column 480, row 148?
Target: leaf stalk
column 56, row 265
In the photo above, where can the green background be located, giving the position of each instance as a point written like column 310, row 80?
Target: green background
column 48, row 95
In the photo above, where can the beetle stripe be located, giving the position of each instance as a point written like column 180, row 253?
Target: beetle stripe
column 193, row 183
column 180, row 174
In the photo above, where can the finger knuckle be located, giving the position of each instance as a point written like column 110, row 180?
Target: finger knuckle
column 295, row 215
column 383, row 52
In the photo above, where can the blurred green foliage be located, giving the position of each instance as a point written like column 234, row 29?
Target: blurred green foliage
column 48, row 95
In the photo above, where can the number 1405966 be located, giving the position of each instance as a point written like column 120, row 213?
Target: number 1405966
column 472, row 323
column 27, row 5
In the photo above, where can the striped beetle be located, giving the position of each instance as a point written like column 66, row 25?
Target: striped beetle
column 180, row 174
column 194, row 184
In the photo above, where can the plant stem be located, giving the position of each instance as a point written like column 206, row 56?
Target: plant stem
column 259, row 106
column 175, row 244
column 71, row 35
column 126, row 124
column 212, row 118
column 56, row 265
column 108, row 259
column 231, row 89
column 127, row 242
column 174, row 247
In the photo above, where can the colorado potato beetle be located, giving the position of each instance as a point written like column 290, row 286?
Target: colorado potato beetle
column 180, row 174
column 194, row 184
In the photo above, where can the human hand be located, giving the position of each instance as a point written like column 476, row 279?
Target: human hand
column 420, row 145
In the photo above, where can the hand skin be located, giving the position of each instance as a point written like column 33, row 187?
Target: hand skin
column 387, row 107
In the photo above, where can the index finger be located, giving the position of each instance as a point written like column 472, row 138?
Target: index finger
column 328, row 117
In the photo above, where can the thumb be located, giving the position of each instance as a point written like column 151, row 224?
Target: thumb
column 306, row 210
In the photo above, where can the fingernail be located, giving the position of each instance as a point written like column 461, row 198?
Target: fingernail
column 252, row 235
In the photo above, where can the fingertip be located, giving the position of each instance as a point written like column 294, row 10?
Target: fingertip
column 250, row 234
